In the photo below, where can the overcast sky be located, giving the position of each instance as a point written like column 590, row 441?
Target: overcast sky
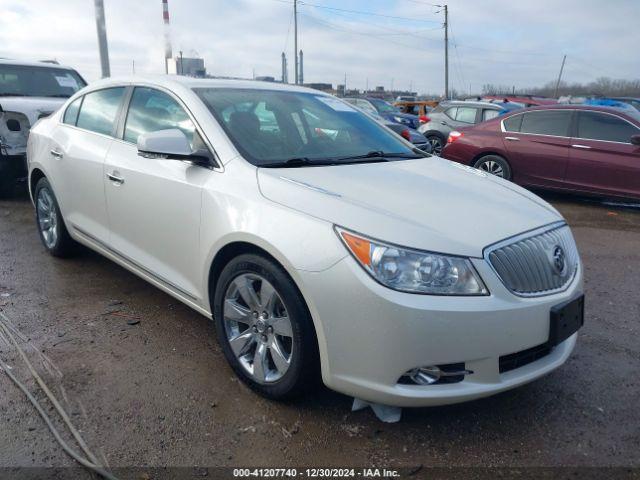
column 504, row 42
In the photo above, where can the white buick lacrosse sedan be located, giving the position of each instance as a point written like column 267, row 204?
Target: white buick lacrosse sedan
column 322, row 244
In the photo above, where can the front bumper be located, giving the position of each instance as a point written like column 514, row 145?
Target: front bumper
column 372, row 335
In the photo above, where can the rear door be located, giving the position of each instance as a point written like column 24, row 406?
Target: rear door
column 154, row 204
column 537, row 143
column 602, row 158
column 79, row 148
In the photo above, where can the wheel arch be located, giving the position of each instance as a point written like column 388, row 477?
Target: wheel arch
column 34, row 177
column 241, row 246
column 487, row 153
column 436, row 133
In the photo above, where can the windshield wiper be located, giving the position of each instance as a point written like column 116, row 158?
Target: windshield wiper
column 9, row 94
column 377, row 154
column 290, row 163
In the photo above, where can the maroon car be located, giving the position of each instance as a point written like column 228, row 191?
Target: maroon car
column 574, row 148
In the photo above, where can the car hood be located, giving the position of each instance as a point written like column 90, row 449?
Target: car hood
column 429, row 204
column 32, row 107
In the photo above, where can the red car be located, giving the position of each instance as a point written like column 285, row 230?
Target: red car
column 573, row 148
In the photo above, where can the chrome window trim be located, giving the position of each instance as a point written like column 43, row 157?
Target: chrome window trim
column 522, row 236
column 571, row 111
column 504, row 130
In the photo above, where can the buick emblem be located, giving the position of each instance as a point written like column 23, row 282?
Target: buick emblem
column 557, row 260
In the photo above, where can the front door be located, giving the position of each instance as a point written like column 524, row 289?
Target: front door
column 537, row 143
column 154, row 204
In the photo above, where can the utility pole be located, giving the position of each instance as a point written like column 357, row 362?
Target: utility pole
column 102, row 39
column 295, row 36
column 181, row 64
column 560, row 75
column 446, row 52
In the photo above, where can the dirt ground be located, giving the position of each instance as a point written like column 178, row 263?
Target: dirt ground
column 160, row 394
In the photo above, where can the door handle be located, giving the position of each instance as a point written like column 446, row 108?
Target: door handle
column 115, row 178
column 55, row 153
column 512, row 139
column 584, row 147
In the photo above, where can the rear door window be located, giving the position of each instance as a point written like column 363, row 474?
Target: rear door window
column 488, row 114
column 601, row 126
column 466, row 114
column 99, row 110
column 543, row 122
column 512, row 124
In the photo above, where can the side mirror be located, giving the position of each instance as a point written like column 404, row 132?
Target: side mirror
column 635, row 139
column 170, row 143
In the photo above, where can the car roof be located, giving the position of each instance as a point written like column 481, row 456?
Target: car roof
column 173, row 81
column 25, row 63
column 578, row 106
column 473, row 103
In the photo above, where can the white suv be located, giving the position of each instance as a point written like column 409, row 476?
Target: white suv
column 319, row 241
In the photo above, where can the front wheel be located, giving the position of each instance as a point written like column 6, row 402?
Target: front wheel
column 264, row 327
column 494, row 165
column 51, row 227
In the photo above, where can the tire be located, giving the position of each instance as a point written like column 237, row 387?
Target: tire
column 495, row 165
column 437, row 143
column 51, row 228
column 265, row 337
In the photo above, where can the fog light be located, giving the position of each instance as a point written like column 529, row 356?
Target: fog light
column 428, row 375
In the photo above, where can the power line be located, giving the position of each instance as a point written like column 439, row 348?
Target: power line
column 354, row 32
column 358, row 12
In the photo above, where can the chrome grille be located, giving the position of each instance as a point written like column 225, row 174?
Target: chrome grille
column 530, row 265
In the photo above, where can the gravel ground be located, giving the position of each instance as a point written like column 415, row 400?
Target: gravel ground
column 144, row 380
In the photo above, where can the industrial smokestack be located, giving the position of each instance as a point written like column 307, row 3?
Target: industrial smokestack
column 167, row 37
column 102, row 39
column 285, row 76
column 301, row 76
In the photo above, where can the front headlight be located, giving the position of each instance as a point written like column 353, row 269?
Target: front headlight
column 400, row 120
column 414, row 271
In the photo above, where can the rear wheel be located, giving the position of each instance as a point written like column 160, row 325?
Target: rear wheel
column 437, row 143
column 51, row 227
column 495, row 165
column 264, row 327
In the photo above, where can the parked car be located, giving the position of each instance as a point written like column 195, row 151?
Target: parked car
column 449, row 116
column 575, row 148
column 633, row 101
column 526, row 100
column 386, row 110
column 28, row 91
column 314, row 251
column 415, row 137
column 419, row 108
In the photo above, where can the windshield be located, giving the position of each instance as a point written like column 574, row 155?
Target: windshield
column 28, row 81
column 383, row 107
column 270, row 127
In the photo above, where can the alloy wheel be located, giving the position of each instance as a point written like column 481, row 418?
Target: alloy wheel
column 436, row 145
column 258, row 327
column 47, row 217
column 492, row 167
